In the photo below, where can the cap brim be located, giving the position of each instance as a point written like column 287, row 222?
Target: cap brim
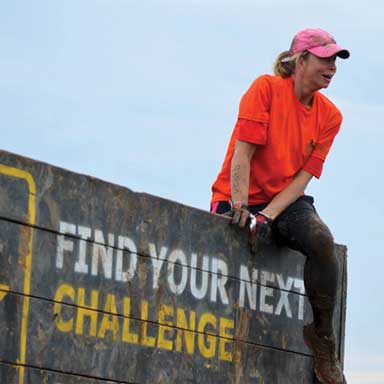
column 329, row 50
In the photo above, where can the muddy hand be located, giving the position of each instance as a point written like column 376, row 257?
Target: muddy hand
column 240, row 216
column 260, row 232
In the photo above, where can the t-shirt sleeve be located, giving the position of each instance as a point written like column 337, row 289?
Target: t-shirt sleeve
column 315, row 163
column 253, row 118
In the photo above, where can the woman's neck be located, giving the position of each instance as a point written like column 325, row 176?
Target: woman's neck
column 302, row 91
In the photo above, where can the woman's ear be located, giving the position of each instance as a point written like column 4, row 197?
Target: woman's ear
column 300, row 63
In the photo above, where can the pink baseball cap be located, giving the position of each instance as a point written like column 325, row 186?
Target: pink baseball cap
column 318, row 42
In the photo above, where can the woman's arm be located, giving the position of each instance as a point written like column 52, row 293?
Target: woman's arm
column 288, row 195
column 240, row 170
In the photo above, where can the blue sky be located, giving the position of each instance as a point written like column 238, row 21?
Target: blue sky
column 145, row 94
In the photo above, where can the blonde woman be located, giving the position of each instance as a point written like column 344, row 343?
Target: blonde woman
column 284, row 131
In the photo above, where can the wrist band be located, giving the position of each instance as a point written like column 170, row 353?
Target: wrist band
column 269, row 218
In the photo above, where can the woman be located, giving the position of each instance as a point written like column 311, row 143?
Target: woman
column 284, row 131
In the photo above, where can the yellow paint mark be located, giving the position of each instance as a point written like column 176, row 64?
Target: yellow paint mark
column 110, row 321
column 225, row 324
column 87, row 310
column 63, row 290
column 127, row 335
column 20, row 174
column 165, row 311
column 207, row 343
column 145, row 339
column 187, row 329
column 4, row 289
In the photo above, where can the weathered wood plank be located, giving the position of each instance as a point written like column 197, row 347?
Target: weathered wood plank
column 151, row 223
column 9, row 374
column 260, row 314
column 143, row 352
column 342, row 307
column 85, row 238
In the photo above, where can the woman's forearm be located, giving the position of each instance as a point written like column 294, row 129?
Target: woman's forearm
column 288, row 195
column 240, row 169
column 239, row 181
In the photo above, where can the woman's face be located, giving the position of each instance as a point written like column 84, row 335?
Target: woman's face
column 318, row 72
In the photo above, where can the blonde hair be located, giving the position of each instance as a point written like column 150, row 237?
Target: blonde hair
column 285, row 64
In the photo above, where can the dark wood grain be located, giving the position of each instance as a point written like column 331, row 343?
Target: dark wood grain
column 69, row 240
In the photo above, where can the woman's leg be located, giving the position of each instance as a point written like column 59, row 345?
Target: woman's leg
column 300, row 228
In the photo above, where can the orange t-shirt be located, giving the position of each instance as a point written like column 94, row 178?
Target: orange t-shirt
column 289, row 135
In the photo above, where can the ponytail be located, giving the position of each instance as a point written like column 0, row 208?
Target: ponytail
column 284, row 68
column 285, row 64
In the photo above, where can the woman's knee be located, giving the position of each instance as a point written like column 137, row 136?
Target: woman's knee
column 321, row 242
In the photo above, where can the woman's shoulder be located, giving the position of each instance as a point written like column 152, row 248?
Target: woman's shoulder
column 269, row 81
column 327, row 104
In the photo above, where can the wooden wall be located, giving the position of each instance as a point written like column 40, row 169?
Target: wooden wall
column 99, row 284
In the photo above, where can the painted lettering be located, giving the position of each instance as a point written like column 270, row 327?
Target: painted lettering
column 249, row 285
column 219, row 270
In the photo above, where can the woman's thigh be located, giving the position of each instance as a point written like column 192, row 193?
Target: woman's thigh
column 300, row 227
